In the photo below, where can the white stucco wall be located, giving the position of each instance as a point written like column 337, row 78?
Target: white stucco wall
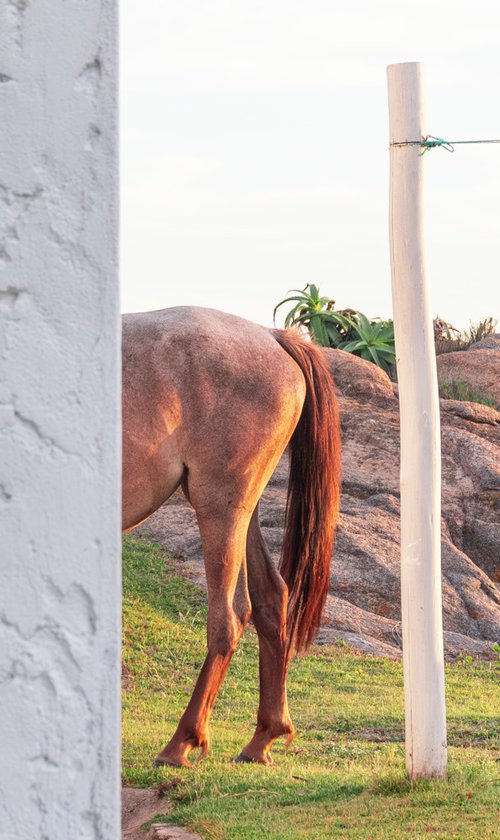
column 59, row 422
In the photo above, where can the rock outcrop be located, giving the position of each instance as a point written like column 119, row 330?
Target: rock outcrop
column 478, row 367
column 363, row 607
column 491, row 342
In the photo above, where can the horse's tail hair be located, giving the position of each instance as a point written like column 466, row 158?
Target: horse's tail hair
column 313, row 494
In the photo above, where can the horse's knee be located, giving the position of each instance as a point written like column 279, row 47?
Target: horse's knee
column 224, row 635
column 269, row 612
column 223, row 643
column 243, row 611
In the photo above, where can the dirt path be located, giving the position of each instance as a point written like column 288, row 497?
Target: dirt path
column 139, row 805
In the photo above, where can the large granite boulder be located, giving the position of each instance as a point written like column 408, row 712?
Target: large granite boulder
column 363, row 608
column 479, row 368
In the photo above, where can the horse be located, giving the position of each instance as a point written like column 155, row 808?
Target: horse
column 210, row 403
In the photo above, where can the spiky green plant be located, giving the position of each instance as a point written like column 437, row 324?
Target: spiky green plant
column 372, row 340
column 311, row 311
column 346, row 329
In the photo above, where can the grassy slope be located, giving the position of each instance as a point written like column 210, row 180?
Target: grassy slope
column 343, row 776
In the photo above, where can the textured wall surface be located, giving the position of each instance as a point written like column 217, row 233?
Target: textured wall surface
column 59, row 422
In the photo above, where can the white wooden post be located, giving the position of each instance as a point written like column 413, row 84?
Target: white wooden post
column 59, row 422
column 421, row 607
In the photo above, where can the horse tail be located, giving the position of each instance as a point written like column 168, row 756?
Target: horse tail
column 313, row 494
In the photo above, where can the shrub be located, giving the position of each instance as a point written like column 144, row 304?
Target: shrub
column 372, row 340
column 345, row 329
column 463, row 340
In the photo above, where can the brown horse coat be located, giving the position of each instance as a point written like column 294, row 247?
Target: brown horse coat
column 211, row 401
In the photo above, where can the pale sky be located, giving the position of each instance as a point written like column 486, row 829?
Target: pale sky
column 255, row 160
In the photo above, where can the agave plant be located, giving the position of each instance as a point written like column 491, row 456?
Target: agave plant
column 372, row 340
column 311, row 311
column 347, row 329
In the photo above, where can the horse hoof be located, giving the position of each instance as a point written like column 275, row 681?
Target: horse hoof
column 164, row 762
column 244, row 759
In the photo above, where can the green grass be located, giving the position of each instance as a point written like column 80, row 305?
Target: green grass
column 456, row 389
column 343, row 776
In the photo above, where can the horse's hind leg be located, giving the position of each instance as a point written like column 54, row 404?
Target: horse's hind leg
column 223, row 538
column 268, row 594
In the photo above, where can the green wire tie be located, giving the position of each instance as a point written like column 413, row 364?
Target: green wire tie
column 431, row 142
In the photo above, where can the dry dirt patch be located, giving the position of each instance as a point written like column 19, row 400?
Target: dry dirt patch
column 139, row 806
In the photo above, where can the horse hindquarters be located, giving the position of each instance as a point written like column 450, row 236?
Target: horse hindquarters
column 287, row 610
column 228, row 465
